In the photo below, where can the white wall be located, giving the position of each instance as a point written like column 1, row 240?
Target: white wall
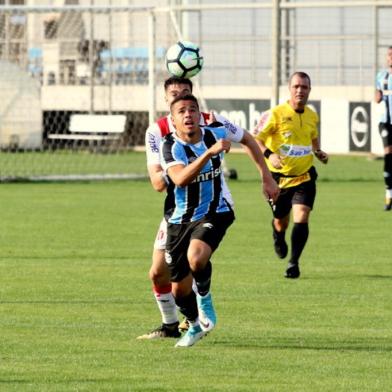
column 334, row 105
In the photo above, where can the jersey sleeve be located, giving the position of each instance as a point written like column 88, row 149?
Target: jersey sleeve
column 233, row 132
column 171, row 154
column 315, row 132
column 153, row 141
column 266, row 125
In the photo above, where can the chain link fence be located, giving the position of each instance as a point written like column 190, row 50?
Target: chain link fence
column 107, row 58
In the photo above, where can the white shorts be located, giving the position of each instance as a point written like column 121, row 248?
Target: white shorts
column 160, row 239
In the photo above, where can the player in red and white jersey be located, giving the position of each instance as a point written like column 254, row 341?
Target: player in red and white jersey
column 159, row 273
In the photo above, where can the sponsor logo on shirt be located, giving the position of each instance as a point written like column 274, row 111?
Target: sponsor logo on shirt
column 295, row 151
column 230, row 127
column 153, row 143
column 207, row 176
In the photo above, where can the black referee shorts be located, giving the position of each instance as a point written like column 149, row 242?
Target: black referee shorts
column 209, row 230
column 304, row 193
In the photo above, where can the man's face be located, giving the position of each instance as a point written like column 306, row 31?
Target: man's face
column 299, row 90
column 185, row 115
column 175, row 90
column 389, row 58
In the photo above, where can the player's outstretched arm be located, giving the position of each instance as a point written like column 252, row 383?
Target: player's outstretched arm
column 270, row 187
column 157, row 177
column 183, row 175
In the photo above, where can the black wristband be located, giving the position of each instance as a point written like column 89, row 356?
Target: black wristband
column 267, row 153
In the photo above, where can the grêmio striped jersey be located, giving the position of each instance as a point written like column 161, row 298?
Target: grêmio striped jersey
column 205, row 194
column 384, row 82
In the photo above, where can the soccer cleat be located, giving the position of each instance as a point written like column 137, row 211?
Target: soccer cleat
column 280, row 246
column 184, row 325
column 388, row 204
column 207, row 315
column 292, row 271
column 164, row 331
column 193, row 335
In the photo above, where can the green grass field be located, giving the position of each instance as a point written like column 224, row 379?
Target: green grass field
column 74, row 291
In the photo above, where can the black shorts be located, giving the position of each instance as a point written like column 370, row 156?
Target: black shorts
column 210, row 230
column 304, row 193
column 385, row 130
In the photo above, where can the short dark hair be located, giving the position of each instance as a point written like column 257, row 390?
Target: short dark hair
column 177, row 80
column 184, row 97
column 302, row 75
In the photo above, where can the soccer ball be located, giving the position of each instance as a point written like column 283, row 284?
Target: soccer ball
column 183, row 59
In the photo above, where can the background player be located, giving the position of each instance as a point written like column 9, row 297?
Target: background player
column 288, row 137
column 159, row 273
column 384, row 94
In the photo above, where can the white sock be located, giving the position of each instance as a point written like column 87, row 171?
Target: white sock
column 388, row 193
column 167, row 307
column 194, row 323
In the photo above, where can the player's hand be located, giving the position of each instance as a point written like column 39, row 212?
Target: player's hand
column 321, row 156
column 276, row 161
column 211, row 118
column 270, row 188
column 219, row 146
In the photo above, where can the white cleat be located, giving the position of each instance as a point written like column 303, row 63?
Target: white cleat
column 193, row 335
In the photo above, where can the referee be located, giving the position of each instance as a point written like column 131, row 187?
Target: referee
column 288, row 138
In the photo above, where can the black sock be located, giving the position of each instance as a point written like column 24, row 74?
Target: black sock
column 203, row 279
column 388, row 170
column 299, row 236
column 188, row 306
column 278, row 234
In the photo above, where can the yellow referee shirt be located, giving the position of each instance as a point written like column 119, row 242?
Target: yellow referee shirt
column 289, row 134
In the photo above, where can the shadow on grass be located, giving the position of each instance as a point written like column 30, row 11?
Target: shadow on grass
column 378, row 345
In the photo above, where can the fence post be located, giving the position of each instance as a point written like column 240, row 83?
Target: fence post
column 275, row 65
column 151, row 68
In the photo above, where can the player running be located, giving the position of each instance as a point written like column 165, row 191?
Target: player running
column 288, row 137
column 192, row 158
column 159, row 273
column 384, row 94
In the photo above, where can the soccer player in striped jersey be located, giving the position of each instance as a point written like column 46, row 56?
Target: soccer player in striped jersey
column 384, row 95
column 192, row 158
column 288, row 138
column 159, row 273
